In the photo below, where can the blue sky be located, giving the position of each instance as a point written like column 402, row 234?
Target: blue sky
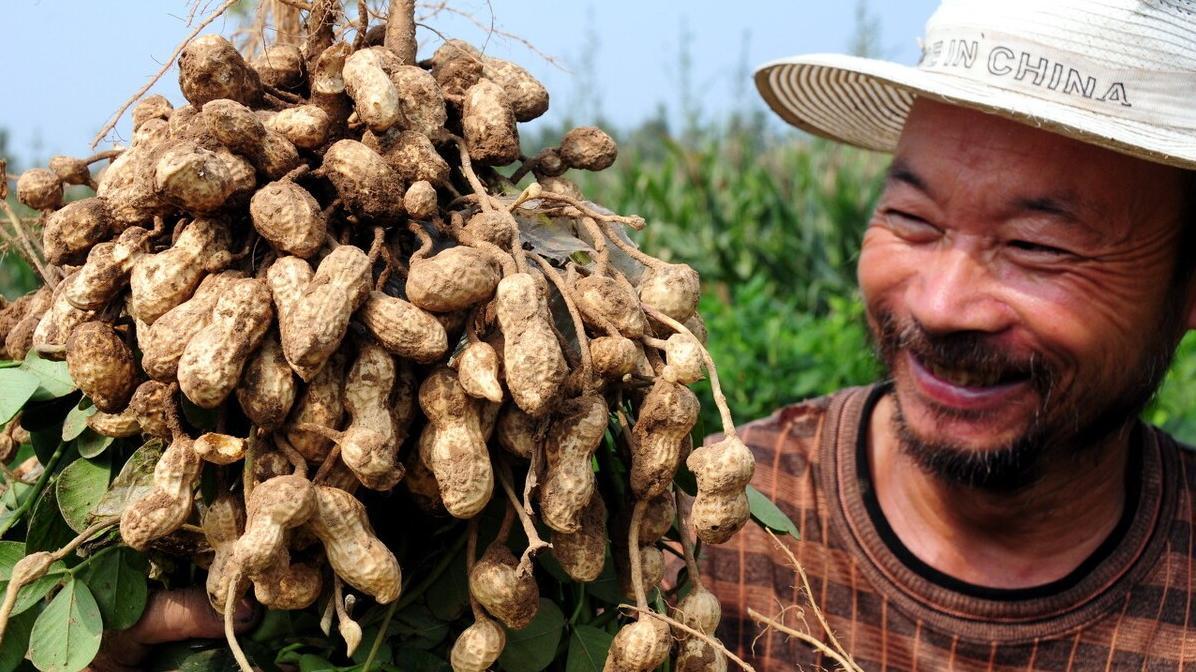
column 70, row 63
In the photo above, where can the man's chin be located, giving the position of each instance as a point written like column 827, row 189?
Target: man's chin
column 968, row 452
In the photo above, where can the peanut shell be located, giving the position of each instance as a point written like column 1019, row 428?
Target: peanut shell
column 212, row 361
column 210, row 68
column 267, row 388
column 74, row 229
column 305, row 126
column 532, row 357
column 403, row 329
column 588, row 148
column 101, row 365
column 289, row 217
column 507, row 593
column 454, row 279
column 488, row 125
column 40, row 189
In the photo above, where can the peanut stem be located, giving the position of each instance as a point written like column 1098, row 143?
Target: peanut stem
column 720, row 399
column 687, row 543
column 533, row 477
column 508, row 520
column 471, row 558
column 631, row 250
column 425, row 241
column 100, row 156
column 328, row 463
column 486, row 202
column 26, row 247
column 634, row 221
column 291, row 454
column 390, row 612
column 692, row 632
column 349, row 629
column 583, row 343
column 363, row 24
column 595, row 232
column 532, row 190
column 19, row 580
column 400, row 30
column 840, row 654
column 230, row 634
column 34, row 494
column 633, row 543
column 534, row 542
column 247, row 475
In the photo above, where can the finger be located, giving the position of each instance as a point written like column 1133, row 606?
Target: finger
column 175, row 615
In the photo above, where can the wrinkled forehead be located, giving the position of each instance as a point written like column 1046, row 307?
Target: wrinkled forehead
column 973, row 155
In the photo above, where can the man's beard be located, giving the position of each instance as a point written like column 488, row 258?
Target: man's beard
column 1059, row 428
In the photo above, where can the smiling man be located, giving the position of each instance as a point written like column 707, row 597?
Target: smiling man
column 1027, row 274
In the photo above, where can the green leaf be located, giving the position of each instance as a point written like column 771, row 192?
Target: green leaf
column 419, row 628
column 312, row 663
column 76, row 420
column 117, row 580
column 134, row 480
column 533, row 648
column 16, row 388
column 766, row 513
column 448, row 596
column 549, row 564
column 368, row 635
column 16, row 641
column 587, row 649
column 45, row 442
column 415, row 660
column 66, row 636
column 53, row 379
column 79, row 488
column 47, row 529
column 30, row 594
column 91, row 444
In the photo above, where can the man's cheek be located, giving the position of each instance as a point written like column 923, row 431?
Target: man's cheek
column 886, row 265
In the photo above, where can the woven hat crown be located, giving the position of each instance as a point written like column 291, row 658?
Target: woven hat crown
column 1131, row 34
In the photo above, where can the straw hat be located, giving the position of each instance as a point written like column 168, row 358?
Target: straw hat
column 1116, row 73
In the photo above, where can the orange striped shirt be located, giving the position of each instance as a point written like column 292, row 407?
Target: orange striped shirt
column 1128, row 607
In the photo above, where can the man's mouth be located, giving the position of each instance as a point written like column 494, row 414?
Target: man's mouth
column 963, row 388
column 960, row 377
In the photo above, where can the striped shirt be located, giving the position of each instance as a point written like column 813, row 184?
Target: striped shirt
column 1127, row 607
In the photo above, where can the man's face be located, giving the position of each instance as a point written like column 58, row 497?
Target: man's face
column 1018, row 284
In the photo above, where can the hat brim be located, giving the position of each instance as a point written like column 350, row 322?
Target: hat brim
column 864, row 102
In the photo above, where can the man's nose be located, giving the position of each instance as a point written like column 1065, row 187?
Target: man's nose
column 953, row 293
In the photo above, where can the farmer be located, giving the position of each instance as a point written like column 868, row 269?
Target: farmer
column 996, row 503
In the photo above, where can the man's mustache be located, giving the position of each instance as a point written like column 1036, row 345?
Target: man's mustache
column 966, row 351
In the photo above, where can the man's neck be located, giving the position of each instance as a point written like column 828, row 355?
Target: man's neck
column 999, row 540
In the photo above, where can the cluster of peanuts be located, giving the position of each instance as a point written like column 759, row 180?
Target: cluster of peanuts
column 320, row 245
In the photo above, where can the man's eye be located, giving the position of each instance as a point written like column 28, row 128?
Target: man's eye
column 908, row 225
column 1038, row 248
